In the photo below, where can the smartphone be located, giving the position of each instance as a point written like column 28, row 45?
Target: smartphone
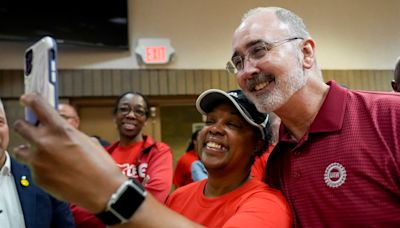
column 40, row 73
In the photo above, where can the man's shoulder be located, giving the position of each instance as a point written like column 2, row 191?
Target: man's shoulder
column 376, row 95
column 23, row 179
column 375, row 100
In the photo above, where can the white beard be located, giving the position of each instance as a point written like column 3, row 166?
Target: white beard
column 285, row 87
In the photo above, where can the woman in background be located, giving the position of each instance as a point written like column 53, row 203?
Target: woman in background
column 183, row 169
column 137, row 155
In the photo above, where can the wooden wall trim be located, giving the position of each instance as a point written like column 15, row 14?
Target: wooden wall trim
column 110, row 83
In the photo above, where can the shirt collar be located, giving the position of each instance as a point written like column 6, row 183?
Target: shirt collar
column 330, row 116
column 6, row 169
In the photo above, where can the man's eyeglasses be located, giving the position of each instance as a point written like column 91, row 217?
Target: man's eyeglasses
column 125, row 110
column 255, row 52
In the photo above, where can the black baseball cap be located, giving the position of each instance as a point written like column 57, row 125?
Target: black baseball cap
column 213, row 97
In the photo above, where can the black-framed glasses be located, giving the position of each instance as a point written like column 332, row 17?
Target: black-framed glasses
column 125, row 110
column 257, row 51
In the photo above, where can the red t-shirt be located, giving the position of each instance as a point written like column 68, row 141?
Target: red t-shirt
column 126, row 154
column 345, row 171
column 149, row 162
column 183, row 170
column 253, row 204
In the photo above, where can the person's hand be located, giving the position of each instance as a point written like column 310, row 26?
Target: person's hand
column 72, row 167
column 65, row 162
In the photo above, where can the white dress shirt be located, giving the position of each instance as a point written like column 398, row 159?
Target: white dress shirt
column 11, row 215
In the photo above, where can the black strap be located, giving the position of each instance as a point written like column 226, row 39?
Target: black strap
column 125, row 206
column 108, row 218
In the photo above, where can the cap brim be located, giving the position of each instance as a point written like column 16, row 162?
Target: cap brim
column 210, row 98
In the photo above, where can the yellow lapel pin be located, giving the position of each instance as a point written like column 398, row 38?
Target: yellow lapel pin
column 24, row 181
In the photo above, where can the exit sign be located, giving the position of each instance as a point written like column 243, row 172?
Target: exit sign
column 155, row 54
column 154, row 51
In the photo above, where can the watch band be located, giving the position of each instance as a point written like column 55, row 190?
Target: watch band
column 108, row 218
column 123, row 203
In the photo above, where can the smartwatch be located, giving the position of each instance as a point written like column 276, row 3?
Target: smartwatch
column 123, row 203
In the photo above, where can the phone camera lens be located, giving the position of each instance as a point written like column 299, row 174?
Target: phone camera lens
column 28, row 62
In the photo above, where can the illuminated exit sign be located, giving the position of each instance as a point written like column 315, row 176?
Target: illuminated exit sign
column 154, row 50
column 155, row 54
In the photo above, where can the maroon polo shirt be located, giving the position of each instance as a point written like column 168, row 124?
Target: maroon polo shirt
column 345, row 171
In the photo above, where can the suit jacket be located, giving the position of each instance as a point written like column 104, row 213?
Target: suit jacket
column 40, row 209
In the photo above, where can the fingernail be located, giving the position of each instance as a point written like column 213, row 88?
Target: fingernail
column 22, row 146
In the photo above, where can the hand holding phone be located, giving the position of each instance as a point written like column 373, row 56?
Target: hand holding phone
column 40, row 73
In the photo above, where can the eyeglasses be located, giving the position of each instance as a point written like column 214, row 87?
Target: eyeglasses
column 255, row 52
column 125, row 110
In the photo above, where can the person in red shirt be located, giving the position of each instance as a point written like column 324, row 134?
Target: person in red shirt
column 137, row 155
column 183, row 169
column 338, row 156
column 233, row 135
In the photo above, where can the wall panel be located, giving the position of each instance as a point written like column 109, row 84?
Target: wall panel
column 106, row 83
column 189, row 76
column 163, row 82
column 154, row 82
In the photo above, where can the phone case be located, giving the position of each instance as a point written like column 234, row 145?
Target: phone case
column 40, row 73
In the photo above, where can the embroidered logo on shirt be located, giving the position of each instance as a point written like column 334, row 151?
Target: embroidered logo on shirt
column 335, row 175
column 130, row 170
column 139, row 173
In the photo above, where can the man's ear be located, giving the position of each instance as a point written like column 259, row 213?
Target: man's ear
column 308, row 50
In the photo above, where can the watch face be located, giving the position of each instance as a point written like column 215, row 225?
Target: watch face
column 129, row 200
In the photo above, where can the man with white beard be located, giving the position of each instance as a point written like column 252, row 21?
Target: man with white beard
column 338, row 157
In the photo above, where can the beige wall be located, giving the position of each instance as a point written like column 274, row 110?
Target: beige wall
column 358, row 34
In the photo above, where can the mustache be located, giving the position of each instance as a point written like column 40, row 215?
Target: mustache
column 259, row 78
